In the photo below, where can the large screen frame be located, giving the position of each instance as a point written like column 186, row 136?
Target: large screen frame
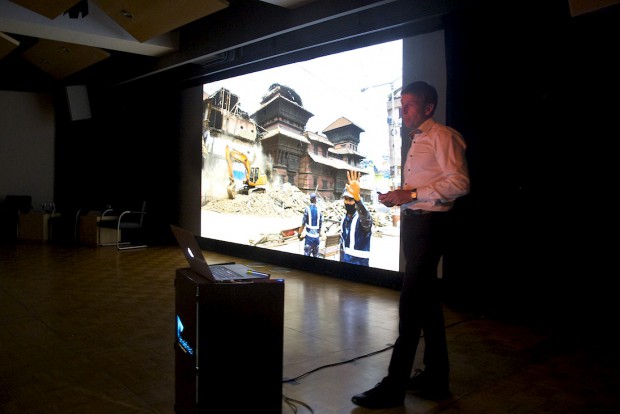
column 369, row 100
column 423, row 58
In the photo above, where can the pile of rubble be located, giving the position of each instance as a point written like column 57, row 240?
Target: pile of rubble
column 278, row 201
column 286, row 201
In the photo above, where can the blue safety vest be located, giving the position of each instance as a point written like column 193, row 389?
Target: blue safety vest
column 356, row 242
column 313, row 223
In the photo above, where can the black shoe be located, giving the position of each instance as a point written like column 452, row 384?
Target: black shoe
column 381, row 396
column 426, row 386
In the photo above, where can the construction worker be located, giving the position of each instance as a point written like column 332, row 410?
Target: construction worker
column 356, row 224
column 312, row 221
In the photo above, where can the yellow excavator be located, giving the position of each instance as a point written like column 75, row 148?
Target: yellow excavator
column 255, row 181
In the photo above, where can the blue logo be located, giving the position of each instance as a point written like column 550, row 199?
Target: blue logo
column 182, row 342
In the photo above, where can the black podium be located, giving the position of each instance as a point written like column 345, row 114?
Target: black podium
column 228, row 347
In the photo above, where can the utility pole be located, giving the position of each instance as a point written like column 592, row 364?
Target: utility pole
column 394, row 139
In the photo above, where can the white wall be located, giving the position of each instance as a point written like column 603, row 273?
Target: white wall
column 424, row 59
column 27, row 131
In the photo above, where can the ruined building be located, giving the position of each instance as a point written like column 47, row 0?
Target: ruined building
column 311, row 161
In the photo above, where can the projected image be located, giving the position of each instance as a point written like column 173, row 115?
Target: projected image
column 271, row 139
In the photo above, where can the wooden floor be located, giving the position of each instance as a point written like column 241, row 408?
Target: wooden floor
column 89, row 330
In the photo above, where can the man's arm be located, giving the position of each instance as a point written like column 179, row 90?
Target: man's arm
column 304, row 220
column 365, row 219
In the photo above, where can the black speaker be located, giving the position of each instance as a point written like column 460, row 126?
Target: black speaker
column 79, row 104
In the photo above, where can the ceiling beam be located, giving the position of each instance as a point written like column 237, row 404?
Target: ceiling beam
column 145, row 19
column 7, row 44
column 97, row 29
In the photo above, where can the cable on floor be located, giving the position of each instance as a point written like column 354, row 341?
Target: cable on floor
column 291, row 402
column 337, row 363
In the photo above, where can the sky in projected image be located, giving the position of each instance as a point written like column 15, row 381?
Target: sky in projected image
column 331, row 87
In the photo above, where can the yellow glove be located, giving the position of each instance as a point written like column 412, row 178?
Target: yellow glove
column 354, row 184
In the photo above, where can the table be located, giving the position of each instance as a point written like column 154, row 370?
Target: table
column 34, row 225
column 89, row 231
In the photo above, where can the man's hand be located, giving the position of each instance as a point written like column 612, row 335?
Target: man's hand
column 395, row 198
column 354, row 184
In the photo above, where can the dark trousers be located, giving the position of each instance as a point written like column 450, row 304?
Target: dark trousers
column 420, row 309
column 311, row 246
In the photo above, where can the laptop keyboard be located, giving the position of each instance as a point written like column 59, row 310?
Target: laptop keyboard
column 222, row 273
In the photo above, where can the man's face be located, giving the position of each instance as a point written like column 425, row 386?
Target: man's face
column 349, row 205
column 414, row 110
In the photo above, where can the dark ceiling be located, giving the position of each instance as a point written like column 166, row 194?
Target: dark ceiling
column 44, row 43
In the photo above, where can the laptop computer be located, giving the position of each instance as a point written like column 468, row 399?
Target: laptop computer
column 228, row 272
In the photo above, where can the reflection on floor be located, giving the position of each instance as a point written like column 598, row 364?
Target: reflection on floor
column 91, row 330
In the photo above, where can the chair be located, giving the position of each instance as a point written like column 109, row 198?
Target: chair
column 126, row 223
column 64, row 227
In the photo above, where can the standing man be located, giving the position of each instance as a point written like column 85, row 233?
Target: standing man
column 312, row 221
column 435, row 174
column 356, row 224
